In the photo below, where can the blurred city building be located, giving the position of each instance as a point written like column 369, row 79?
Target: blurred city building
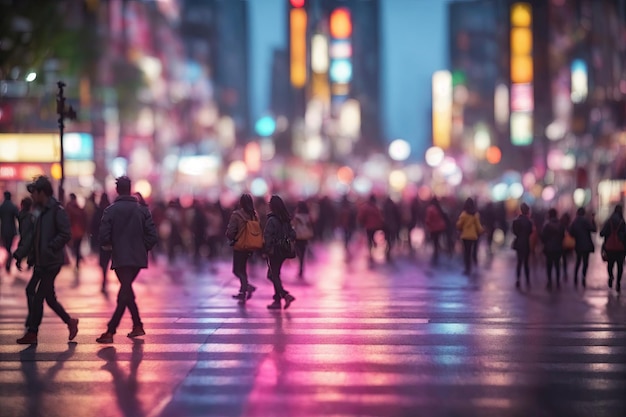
column 531, row 106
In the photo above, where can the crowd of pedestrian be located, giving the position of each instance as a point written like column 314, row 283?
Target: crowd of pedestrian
column 126, row 233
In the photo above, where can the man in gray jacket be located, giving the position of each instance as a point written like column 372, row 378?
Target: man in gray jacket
column 127, row 229
column 51, row 234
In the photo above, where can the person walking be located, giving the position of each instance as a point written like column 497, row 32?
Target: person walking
column 522, row 230
column 8, row 217
column 552, row 235
column 128, row 230
column 51, row 234
column 26, row 230
column 580, row 230
column 347, row 221
column 371, row 218
column 614, row 234
column 245, row 212
column 303, row 226
column 78, row 226
column 277, row 231
column 436, row 224
column 470, row 227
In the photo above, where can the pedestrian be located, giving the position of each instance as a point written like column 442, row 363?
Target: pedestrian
column 104, row 254
column 8, row 218
column 244, row 213
column 552, row 235
column 128, row 230
column 347, row 221
column 371, row 218
column 278, row 232
column 470, row 227
column 522, row 230
column 78, row 226
column 580, row 230
column 51, row 234
column 614, row 234
column 26, row 231
column 303, row 226
column 436, row 224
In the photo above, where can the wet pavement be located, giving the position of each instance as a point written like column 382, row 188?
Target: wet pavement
column 405, row 339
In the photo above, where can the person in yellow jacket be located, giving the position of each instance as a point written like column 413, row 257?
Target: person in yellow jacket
column 469, row 226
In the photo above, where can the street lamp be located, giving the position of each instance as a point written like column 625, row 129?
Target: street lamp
column 70, row 113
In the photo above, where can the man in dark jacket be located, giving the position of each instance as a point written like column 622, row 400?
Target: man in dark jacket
column 8, row 216
column 51, row 234
column 552, row 236
column 614, row 234
column 128, row 230
column 522, row 229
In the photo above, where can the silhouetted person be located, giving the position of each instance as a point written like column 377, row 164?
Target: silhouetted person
column 277, row 228
column 236, row 223
column 568, row 242
column 581, row 230
column 8, row 230
column 303, row 226
column 347, row 220
column 436, row 224
column 51, row 234
column 552, row 235
column 127, row 228
column 522, row 230
column 614, row 233
column 78, row 226
column 104, row 254
column 371, row 218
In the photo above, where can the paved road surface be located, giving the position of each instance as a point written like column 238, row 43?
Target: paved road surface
column 392, row 340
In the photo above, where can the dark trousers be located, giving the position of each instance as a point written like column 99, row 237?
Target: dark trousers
column 301, row 253
column 76, row 249
column 612, row 259
column 469, row 254
column 125, row 298
column 436, row 237
column 522, row 260
column 8, row 243
column 553, row 262
column 581, row 257
column 275, row 263
column 240, row 268
column 40, row 288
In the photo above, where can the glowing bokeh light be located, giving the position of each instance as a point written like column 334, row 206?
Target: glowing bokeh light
column 434, row 156
column 399, row 150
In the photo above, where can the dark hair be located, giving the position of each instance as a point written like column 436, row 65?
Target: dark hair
column 580, row 211
column 469, row 207
column 41, row 183
column 619, row 209
column 26, row 203
column 302, row 207
column 72, row 196
column 525, row 209
column 7, row 195
column 277, row 206
column 247, row 204
column 140, row 198
column 552, row 214
column 122, row 185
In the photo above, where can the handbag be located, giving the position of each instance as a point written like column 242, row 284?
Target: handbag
column 569, row 242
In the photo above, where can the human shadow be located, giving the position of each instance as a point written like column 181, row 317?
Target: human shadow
column 125, row 386
column 36, row 384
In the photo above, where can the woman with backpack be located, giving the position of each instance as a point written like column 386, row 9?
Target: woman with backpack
column 303, row 226
column 614, row 232
column 279, row 239
column 234, row 230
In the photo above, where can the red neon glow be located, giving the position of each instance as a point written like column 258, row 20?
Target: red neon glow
column 297, row 3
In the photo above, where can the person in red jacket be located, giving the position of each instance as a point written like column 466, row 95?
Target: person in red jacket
column 436, row 223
